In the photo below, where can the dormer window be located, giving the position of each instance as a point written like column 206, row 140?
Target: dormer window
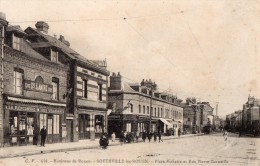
column 54, row 56
column 16, row 42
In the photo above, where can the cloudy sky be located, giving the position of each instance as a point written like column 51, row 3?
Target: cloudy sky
column 207, row 49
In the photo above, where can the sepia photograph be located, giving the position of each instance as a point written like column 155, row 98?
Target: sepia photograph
column 129, row 82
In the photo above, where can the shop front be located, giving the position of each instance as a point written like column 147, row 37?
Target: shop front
column 25, row 118
column 91, row 123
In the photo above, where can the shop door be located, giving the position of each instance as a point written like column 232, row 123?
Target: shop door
column 69, row 130
column 49, row 130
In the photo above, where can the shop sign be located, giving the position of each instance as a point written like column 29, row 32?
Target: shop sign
column 36, row 86
column 129, row 117
column 114, row 117
column 48, row 110
column 20, row 108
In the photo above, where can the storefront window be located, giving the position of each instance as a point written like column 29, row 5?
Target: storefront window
column 30, row 125
column 98, row 123
column 128, row 127
column 22, row 124
column 56, row 124
column 50, row 125
column 43, row 120
column 13, row 121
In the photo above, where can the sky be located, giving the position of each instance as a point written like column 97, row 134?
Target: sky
column 208, row 49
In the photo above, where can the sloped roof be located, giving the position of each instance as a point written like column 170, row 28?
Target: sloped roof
column 26, row 49
column 66, row 49
column 127, row 88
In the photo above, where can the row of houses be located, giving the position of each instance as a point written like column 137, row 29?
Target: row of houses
column 141, row 107
column 44, row 82
column 246, row 120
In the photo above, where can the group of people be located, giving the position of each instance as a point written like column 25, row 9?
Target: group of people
column 42, row 133
column 154, row 135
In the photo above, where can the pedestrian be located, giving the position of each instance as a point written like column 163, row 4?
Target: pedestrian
column 144, row 136
column 179, row 132
column 113, row 136
column 160, row 136
column 125, row 133
column 225, row 135
column 137, row 135
column 122, row 138
column 149, row 136
column 154, row 136
column 43, row 134
column 35, row 136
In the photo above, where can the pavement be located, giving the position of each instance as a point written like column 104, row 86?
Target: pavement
column 21, row 151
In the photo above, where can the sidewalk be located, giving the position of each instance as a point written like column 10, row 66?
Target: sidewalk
column 20, row 151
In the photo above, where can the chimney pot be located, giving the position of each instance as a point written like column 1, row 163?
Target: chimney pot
column 2, row 16
column 42, row 26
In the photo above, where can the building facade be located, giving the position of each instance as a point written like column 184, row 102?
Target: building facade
column 87, row 84
column 198, row 116
column 46, row 83
column 33, row 89
column 138, row 107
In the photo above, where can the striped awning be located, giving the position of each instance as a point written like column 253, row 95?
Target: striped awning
column 35, row 101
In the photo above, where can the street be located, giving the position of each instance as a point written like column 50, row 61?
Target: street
column 198, row 150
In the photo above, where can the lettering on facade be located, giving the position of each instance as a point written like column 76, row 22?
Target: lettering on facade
column 32, row 109
column 33, row 86
column 20, row 108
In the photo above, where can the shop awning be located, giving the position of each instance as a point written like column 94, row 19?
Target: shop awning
column 35, row 101
column 166, row 122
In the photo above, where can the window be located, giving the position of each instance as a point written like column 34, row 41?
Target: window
column 158, row 112
column 143, row 109
column 155, row 112
column 85, row 89
column 16, row 42
column 43, row 120
column 161, row 112
column 151, row 111
column 18, row 81
column 100, row 92
column 131, row 107
column 55, row 88
column 148, row 110
column 140, row 109
column 56, row 124
column 54, row 56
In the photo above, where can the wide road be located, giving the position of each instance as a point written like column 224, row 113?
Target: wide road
column 199, row 150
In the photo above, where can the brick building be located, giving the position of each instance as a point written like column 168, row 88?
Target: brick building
column 33, row 89
column 87, row 84
column 132, row 106
column 46, row 83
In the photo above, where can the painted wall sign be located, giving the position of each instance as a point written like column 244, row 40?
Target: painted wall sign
column 35, row 86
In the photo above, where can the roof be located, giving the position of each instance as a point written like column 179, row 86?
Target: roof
column 52, row 41
column 26, row 49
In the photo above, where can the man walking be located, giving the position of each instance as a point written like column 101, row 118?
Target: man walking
column 160, row 136
column 43, row 134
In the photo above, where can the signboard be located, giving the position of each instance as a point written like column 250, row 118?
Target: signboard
column 35, row 86
column 33, row 109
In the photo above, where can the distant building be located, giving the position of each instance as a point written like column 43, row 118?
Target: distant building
column 132, row 105
column 197, row 115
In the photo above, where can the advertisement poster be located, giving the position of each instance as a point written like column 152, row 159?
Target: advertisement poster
column 130, row 82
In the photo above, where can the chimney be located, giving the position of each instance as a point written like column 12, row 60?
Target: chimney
column 62, row 39
column 116, row 82
column 42, row 26
column 3, row 19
